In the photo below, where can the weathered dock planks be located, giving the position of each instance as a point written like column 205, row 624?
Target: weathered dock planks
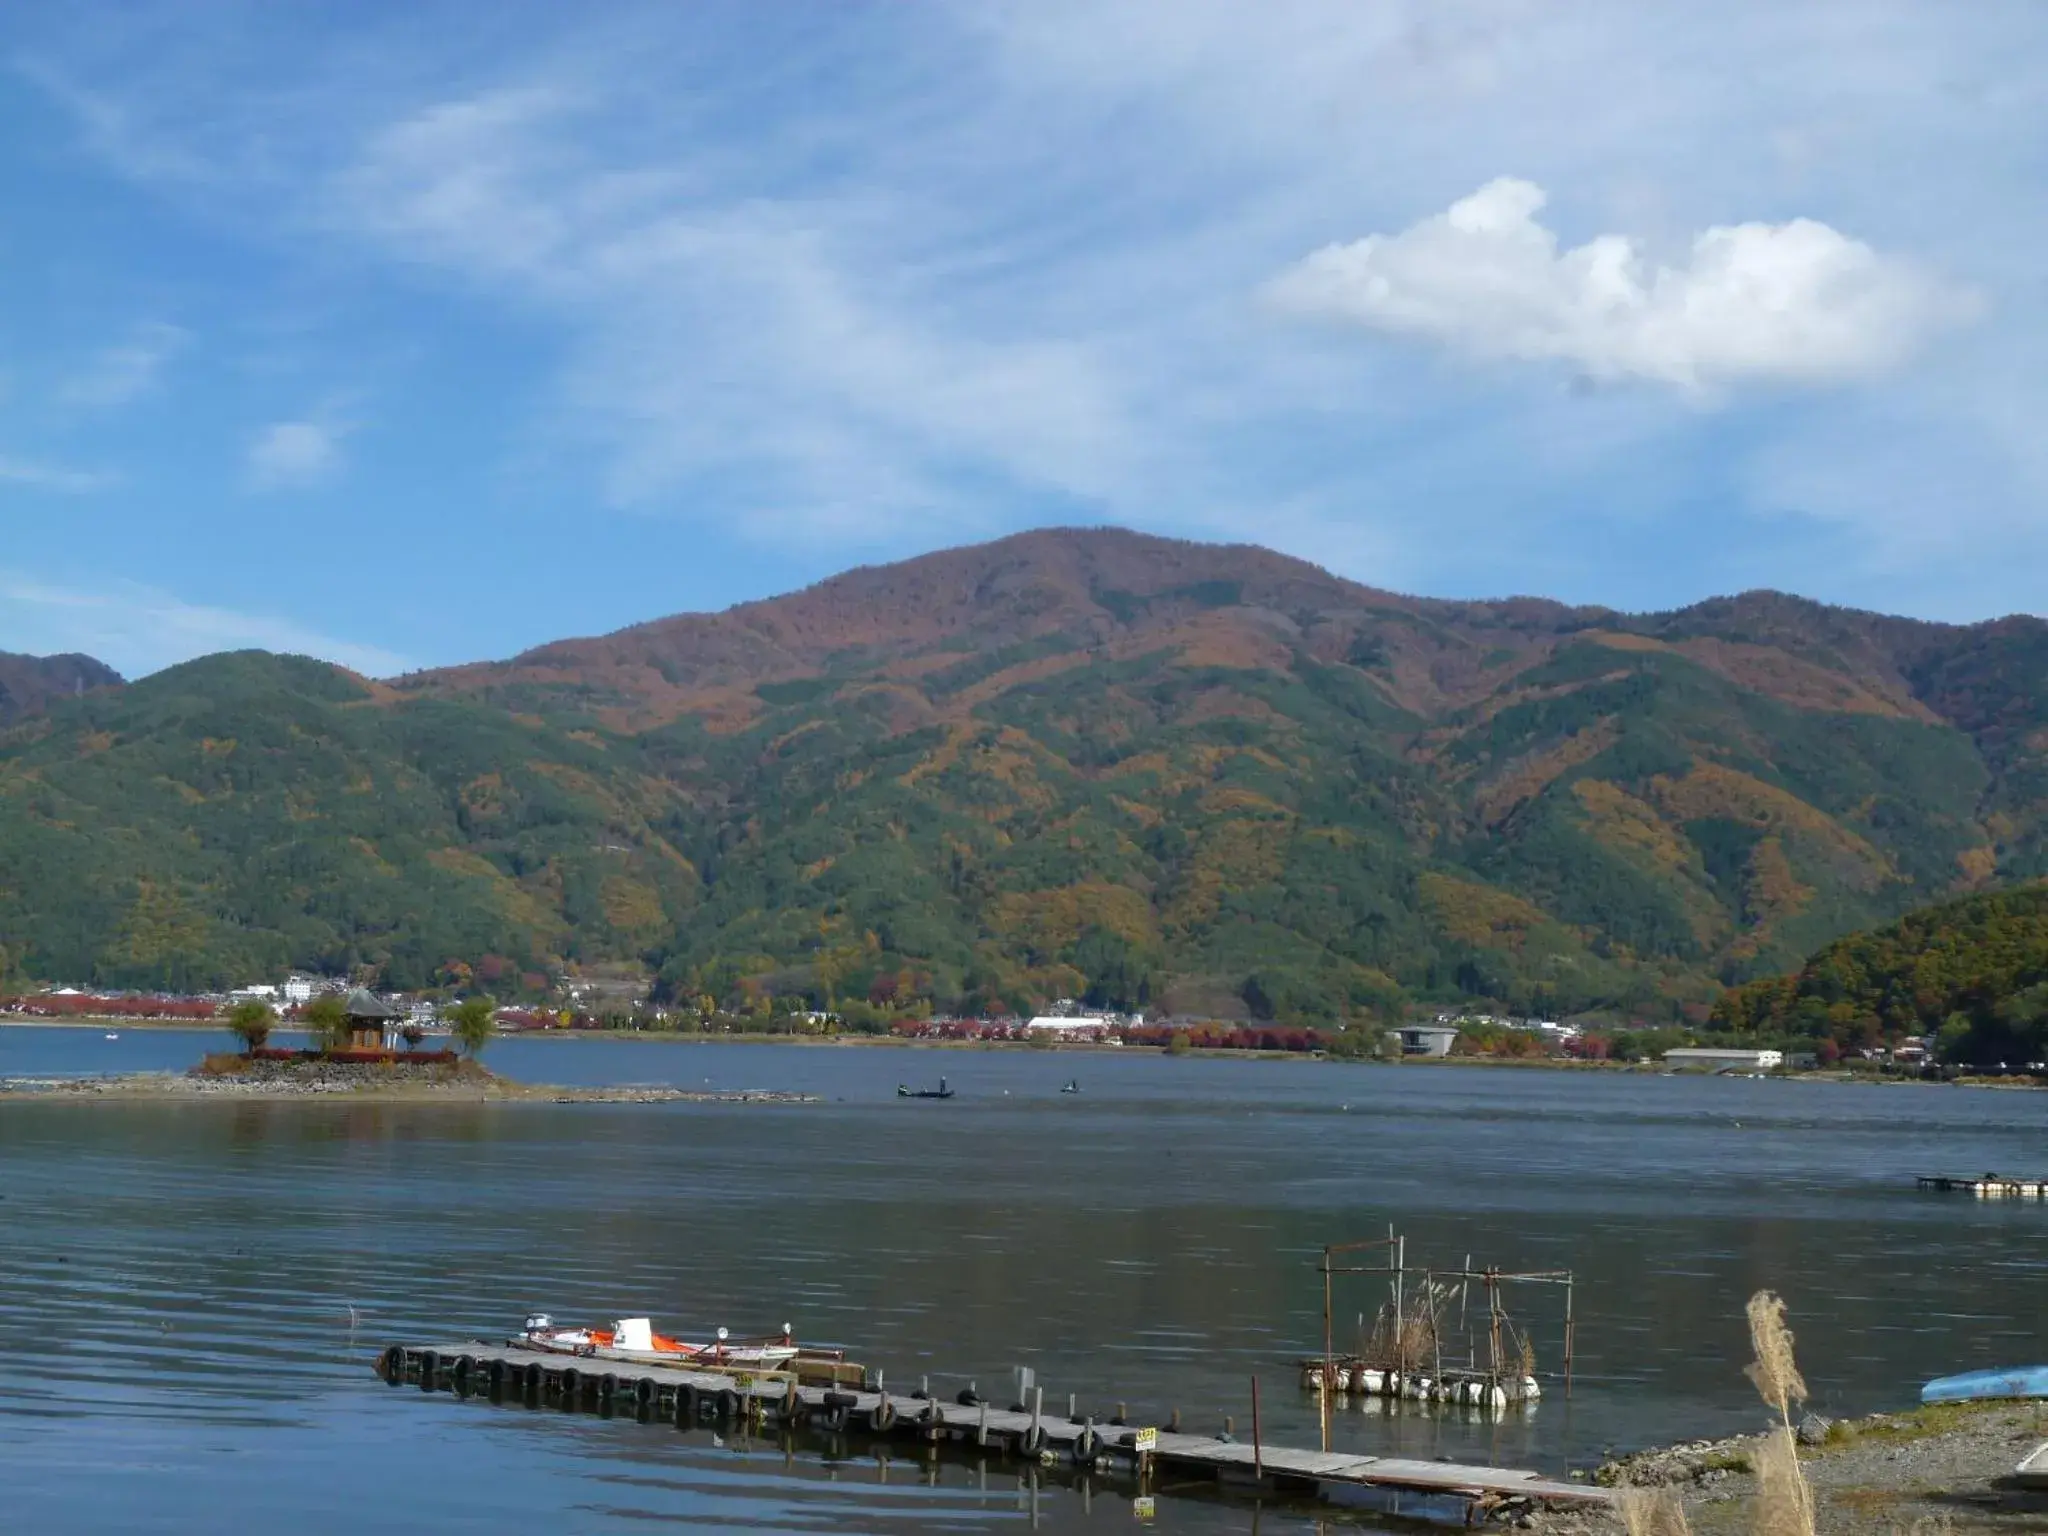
column 1390, row 1484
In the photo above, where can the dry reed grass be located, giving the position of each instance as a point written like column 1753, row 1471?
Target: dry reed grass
column 1784, row 1502
column 1775, row 1371
column 1651, row 1512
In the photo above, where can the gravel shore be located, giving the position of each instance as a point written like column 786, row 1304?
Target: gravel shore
column 1945, row 1469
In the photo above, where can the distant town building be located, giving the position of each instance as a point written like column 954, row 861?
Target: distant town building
column 1086, row 1026
column 1724, row 1059
column 1427, row 1039
column 297, row 990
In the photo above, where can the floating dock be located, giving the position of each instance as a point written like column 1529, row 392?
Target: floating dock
column 832, row 1404
column 1990, row 1186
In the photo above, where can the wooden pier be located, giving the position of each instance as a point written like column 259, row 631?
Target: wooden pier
column 1990, row 1186
column 825, row 1401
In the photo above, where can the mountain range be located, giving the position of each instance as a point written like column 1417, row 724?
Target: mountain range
column 1182, row 776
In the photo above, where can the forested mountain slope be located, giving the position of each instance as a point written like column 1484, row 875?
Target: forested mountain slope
column 1196, row 776
column 1972, row 973
column 28, row 684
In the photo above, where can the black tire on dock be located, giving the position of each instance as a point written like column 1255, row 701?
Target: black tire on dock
column 392, row 1367
column 967, row 1398
column 882, row 1417
column 461, row 1376
column 1087, row 1444
column 494, row 1380
column 607, row 1389
column 571, row 1385
column 728, row 1403
column 1031, row 1441
column 687, row 1406
column 533, row 1382
column 931, row 1415
column 430, row 1370
column 644, row 1391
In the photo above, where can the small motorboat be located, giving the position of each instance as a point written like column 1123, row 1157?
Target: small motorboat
column 2033, row 1472
column 1988, row 1386
column 633, row 1339
column 941, row 1092
column 113, row 1035
column 1072, row 1085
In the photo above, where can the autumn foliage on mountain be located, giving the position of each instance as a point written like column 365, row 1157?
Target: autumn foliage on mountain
column 1970, row 974
column 1156, row 774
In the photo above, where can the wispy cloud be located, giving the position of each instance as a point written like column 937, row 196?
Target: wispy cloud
column 719, row 336
column 295, row 455
column 138, row 629
column 126, row 370
column 1794, row 303
column 61, row 479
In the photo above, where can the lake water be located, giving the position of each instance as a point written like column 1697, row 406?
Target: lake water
column 192, row 1295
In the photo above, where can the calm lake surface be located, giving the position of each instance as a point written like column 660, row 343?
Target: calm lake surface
column 178, row 1281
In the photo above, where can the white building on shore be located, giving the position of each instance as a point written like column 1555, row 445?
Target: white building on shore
column 1723, row 1059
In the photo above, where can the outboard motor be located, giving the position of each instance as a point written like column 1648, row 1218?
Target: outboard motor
column 538, row 1322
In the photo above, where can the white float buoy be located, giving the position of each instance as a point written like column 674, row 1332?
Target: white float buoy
column 1372, row 1381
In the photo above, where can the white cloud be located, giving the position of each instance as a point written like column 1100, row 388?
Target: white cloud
column 137, row 629
column 127, row 370
column 57, row 478
column 1793, row 303
column 295, row 455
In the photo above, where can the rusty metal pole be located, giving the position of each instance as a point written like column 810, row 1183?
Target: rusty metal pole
column 1258, row 1446
column 1329, row 1358
column 1570, row 1329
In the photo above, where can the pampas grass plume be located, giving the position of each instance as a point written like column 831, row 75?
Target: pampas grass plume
column 1775, row 1372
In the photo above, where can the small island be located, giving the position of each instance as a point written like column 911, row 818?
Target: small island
column 355, row 1056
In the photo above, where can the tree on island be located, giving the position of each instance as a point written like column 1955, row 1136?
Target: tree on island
column 326, row 1019
column 252, row 1021
column 473, row 1022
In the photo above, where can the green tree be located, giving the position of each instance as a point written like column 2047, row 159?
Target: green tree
column 473, row 1022
column 326, row 1019
column 252, row 1021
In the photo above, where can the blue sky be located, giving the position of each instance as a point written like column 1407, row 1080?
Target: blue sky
column 406, row 334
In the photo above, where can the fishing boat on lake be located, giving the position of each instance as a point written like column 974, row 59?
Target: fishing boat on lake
column 904, row 1091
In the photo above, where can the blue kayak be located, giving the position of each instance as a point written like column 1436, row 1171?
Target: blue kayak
column 1986, row 1386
